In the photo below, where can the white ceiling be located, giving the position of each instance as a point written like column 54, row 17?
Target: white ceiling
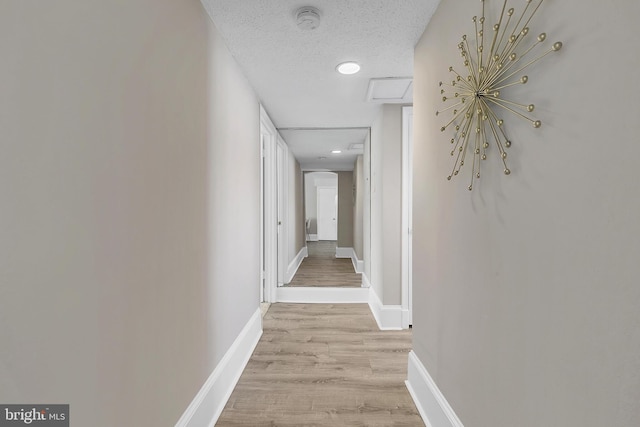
column 313, row 147
column 293, row 71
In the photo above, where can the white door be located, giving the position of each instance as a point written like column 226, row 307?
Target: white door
column 282, row 216
column 327, row 213
column 269, row 208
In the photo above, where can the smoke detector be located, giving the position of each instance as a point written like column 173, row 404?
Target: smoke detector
column 307, row 18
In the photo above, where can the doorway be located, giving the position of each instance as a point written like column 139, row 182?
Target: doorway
column 339, row 276
column 312, row 182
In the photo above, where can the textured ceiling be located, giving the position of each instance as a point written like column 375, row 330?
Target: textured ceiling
column 293, row 71
column 312, row 147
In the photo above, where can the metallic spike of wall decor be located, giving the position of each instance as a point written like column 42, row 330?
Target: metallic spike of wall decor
column 477, row 91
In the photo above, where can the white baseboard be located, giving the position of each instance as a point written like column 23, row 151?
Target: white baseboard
column 322, row 295
column 295, row 264
column 358, row 265
column 405, row 319
column 343, row 252
column 312, row 238
column 388, row 317
column 206, row 407
column 365, row 281
column 432, row 405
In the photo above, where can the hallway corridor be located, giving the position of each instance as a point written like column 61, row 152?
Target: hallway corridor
column 322, row 268
column 324, row 365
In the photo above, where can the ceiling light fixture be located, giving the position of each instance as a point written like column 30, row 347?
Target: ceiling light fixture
column 336, row 151
column 348, row 67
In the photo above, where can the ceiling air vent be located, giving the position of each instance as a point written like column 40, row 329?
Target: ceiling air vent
column 390, row 90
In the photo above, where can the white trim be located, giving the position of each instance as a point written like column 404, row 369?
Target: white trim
column 295, row 264
column 282, row 196
column 388, row 317
column 269, row 247
column 405, row 318
column 431, row 403
column 365, row 281
column 407, row 217
column 262, row 195
column 206, row 407
column 322, row 295
column 312, row 238
column 358, row 265
column 343, row 252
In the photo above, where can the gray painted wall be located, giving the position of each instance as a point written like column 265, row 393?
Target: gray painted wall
column 526, row 290
column 295, row 206
column 366, row 207
column 358, row 208
column 386, row 204
column 300, row 240
column 129, row 205
column 345, row 209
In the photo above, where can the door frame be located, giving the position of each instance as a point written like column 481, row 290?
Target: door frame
column 262, row 212
column 407, row 216
column 282, row 196
column 268, row 223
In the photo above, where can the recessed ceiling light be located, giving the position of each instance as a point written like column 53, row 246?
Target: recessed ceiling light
column 348, row 67
column 336, row 151
column 321, row 158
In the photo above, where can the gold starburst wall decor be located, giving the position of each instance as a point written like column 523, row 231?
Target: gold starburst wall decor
column 476, row 93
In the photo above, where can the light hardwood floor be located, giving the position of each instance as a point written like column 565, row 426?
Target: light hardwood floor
column 324, row 365
column 322, row 268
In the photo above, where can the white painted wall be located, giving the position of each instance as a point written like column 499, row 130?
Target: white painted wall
column 129, row 202
column 526, row 289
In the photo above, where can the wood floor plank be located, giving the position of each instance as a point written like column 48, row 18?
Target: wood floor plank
column 322, row 268
column 324, row 365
